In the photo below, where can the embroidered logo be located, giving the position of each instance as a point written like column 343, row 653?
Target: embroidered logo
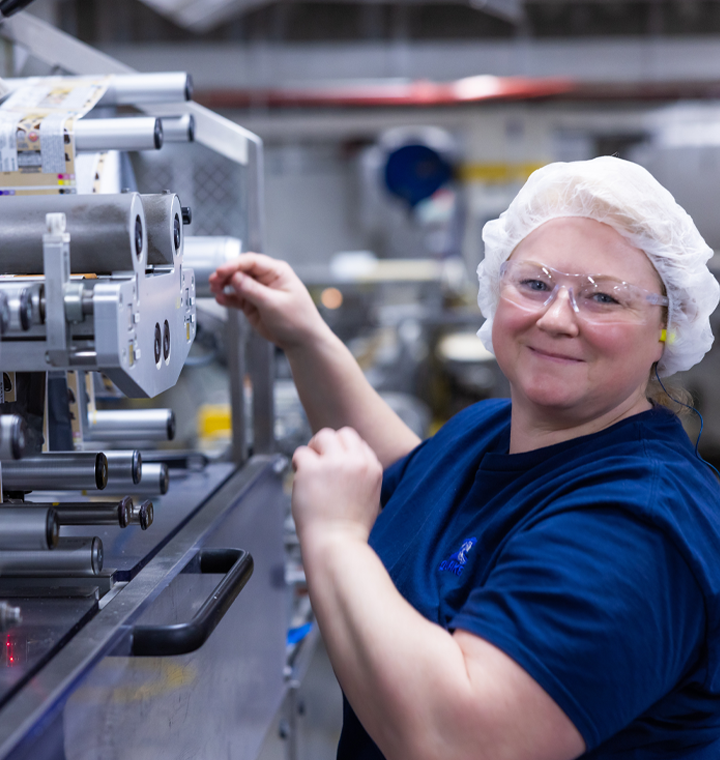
column 456, row 563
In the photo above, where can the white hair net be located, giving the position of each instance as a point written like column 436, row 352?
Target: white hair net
column 629, row 199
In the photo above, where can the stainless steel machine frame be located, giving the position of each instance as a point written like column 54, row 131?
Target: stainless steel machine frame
column 144, row 672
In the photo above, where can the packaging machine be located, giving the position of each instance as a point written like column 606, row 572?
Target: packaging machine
column 151, row 621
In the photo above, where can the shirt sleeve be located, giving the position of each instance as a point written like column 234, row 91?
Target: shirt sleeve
column 599, row 607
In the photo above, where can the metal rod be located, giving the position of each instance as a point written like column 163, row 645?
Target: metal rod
column 92, row 513
column 134, row 89
column 163, row 216
column 204, row 254
column 12, row 436
column 143, row 514
column 155, row 481
column 124, row 467
column 33, row 528
column 132, row 424
column 140, row 133
column 73, row 556
column 56, row 471
column 107, row 232
column 179, row 128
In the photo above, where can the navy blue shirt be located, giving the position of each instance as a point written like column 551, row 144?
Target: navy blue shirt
column 593, row 563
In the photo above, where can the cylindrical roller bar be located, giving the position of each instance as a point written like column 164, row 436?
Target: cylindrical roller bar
column 124, row 467
column 57, row 471
column 73, row 556
column 179, row 128
column 132, row 424
column 28, row 528
column 155, row 481
column 136, row 89
column 204, row 255
column 143, row 514
column 163, row 216
column 141, row 133
column 120, row 513
column 107, row 232
column 23, row 304
column 12, row 436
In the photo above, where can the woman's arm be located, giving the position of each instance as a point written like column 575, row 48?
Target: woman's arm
column 419, row 691
column 331, row 385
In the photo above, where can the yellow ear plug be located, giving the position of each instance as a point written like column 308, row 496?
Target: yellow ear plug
column 663, row 336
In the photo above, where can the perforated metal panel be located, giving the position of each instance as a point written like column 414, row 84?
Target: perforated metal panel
column 214, row 187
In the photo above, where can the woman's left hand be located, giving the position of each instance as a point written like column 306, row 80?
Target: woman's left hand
column 336, row 490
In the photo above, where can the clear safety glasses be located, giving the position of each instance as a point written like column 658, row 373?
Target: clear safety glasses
column 594, row 297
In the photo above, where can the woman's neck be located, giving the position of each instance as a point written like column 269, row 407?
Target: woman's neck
column 534, row 428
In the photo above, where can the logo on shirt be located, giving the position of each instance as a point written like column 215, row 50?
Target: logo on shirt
column 456, row 563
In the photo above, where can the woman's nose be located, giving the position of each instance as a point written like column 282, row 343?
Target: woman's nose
column 560, row 315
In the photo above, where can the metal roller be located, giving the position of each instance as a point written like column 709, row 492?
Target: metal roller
column 124, row 467
column 72, row 557
column 28, row 528
column 23, row 305
column 57, row 471
column 132, row 425
column 143, row 514
column 12, row 436
column 205, row 254
column 91, row 513
column 136, row 89
column 163, row 216
column 179, row 128
column 155, row 480
column 141, row 133
column 107, row 232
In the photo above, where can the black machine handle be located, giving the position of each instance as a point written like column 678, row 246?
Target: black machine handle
column 181, row 638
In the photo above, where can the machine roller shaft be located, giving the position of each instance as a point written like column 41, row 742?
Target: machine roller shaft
column 28, row 528
column 155, row 480
column 124, row 467
column 117, row 220
column 132, row 425
column 72, row 557
column 141, row 133
column 56, row 471
column 92, row 513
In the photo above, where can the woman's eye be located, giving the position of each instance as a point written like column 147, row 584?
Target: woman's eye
column 604, row 299
column 535, row 285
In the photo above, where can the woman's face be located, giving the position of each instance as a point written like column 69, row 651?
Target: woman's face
column 557, row 362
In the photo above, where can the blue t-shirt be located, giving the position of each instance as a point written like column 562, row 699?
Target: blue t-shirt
column 593, row 563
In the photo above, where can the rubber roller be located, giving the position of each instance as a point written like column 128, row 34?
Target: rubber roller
column 56, row 471
column 28, row 528
column 163, row 216
column 71, row 557
column 124, row 468
column 107, row 232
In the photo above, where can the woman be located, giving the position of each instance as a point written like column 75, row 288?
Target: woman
column 543, row 580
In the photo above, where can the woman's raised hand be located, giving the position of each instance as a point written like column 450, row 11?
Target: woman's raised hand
column 336, row 489
column 272, row 297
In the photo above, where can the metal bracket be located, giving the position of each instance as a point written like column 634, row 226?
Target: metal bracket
column 56, row 265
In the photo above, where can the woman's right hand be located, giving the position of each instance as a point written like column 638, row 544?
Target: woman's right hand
column 271, row 296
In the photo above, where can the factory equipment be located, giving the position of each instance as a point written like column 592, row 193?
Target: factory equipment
column 108, row 542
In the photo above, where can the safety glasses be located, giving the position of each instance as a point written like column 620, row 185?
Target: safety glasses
column 594, row 298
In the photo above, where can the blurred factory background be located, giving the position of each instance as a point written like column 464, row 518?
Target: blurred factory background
column 391, row 132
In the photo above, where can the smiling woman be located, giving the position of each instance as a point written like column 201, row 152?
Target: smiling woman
column 543, row 580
